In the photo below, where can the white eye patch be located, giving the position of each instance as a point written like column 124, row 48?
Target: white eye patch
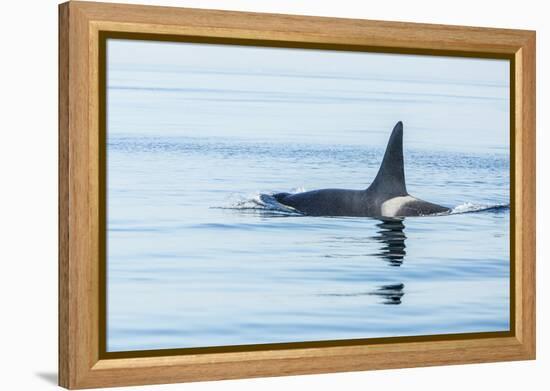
column 391, row 207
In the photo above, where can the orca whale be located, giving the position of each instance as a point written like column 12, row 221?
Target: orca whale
column 387, row 195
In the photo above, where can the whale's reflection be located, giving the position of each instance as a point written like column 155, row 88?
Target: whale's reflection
column 392, row 236
column 391, row 239
column 390, row 294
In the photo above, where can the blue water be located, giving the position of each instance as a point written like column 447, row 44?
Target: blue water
column 196, row 257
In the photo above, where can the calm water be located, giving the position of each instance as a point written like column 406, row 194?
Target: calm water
column 195, row 258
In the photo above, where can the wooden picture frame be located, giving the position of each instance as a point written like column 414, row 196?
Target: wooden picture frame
column 82, row 28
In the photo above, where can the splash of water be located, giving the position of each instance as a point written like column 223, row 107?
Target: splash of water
column 265, row 204
column 469, row 207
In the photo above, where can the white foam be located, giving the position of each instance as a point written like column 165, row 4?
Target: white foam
column 261, row 203
column 297, row 190
column 469, row 207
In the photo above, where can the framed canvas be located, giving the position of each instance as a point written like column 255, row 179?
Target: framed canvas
column 245, row 195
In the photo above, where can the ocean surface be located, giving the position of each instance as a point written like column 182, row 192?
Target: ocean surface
column 196, row 257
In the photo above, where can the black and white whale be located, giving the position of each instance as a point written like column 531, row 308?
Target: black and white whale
column 387, row 195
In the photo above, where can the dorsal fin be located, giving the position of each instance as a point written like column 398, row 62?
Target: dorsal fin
column 390, row 180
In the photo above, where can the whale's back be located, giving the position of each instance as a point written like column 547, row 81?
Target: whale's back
column 386, row 196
